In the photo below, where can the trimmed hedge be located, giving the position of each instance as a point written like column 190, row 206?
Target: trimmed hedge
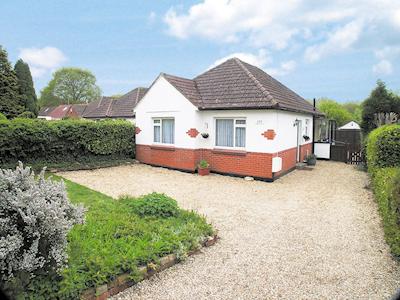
column 386, row 187
column 383, row 158
column 35, row 141
column 383, row 148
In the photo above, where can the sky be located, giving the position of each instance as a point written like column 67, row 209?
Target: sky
column 336, row 49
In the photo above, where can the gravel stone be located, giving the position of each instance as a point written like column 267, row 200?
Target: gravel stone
column 308, row 235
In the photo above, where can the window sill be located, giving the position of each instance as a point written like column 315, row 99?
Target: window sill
column 164, row 148
column 229, row 152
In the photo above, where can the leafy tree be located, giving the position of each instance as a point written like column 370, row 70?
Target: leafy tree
column 334, row 110
column 10, row 100
column 26, row 89
column 70, row 85
column 381, row 107
column 355, row 108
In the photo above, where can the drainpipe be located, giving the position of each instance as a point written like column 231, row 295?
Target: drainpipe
column 313, row 128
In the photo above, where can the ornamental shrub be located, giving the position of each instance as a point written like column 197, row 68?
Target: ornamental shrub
column 35, row 218
column 383, row 147
column 2, row 117
column 35, row 141
column 154, row 204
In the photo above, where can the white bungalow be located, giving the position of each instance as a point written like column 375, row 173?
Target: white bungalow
column 235, row 116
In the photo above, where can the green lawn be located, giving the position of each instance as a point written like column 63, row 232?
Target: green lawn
column 115, row 240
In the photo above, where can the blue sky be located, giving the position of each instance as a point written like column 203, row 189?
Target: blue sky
column 335, row 49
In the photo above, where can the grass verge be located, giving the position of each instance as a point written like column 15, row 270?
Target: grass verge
column 115, row 240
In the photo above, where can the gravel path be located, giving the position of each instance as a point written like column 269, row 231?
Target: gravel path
column 309, row 235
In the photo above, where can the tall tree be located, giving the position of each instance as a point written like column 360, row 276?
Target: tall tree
column 334, row 110
column 381, row 107
column 10, row 99
column 70, row 85
column 26, row 89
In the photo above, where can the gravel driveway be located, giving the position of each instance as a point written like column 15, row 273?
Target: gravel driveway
column 309, row 235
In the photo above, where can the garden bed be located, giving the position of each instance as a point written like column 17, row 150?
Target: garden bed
column 116, row 241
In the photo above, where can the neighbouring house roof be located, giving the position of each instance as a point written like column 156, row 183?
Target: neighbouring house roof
column 350, row 125
column 235, row 84
column 124, row 105
column 109, row 107
column 79, row 109
column 45, row 111
column 58, row 112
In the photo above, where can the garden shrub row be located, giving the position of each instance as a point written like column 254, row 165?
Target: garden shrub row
column 34, row 141
column 383, row 158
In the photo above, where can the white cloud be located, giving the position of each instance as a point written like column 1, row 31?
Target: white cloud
column 339, row 41
column 384, row 67
column 385, row 56
column 324, row 27
column 260, row 59
column 42, row 60
column 284, row 69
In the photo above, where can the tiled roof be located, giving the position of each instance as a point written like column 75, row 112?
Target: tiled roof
column 45, row 111
column 124, row 105
column 61, row 111
column 99, row 108
column 235, row 84
column 109, row 107
column 79, row 109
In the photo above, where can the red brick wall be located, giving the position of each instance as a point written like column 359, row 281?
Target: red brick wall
column 223, row 161
column 176, row 158
column 239, row 163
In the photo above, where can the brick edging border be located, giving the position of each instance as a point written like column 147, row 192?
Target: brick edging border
column 122, row 282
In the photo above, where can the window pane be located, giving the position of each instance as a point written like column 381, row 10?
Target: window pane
column 224, row 133
column 156, row 134
column 157, row 121
column 240, row 137
column 240, row 121
column 168, row 131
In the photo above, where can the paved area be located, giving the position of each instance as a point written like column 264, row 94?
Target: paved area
column 309, row 235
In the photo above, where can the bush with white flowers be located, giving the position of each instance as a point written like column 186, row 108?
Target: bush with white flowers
column 35, row 218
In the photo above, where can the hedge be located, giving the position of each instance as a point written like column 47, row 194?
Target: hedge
column 33, row 141
column 386, row 187
column 383, row 158
column 384, row 147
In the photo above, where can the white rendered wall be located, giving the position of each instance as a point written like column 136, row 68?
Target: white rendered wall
column 257, row 122
column 162, row 100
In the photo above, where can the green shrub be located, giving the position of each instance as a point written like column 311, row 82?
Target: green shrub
column 36, row 141
column 27, row 115
column 383, row 147
column 386, row 186
column 2, row 117
column 154, row 204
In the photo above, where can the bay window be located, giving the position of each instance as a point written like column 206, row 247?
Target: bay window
column 163, row 130
column 230, row 133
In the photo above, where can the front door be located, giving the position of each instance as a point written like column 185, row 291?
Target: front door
column 299, row 139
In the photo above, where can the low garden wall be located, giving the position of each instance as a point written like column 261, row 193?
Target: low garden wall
column 56, row 142
column 383, row 158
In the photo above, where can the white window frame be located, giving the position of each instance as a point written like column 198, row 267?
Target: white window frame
column 160, row 125
column 234, row 132
column 306, row 127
